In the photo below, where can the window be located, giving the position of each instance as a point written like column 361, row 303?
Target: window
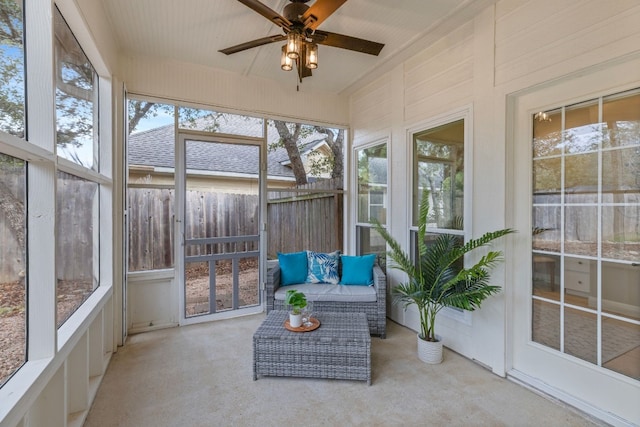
column 12, row 87
column 13, row 310
column 212, row 121
column 151, row 185
column 372, row 199
column 77, row 242
column 438, row 156
column 586, row 230
column 77, row 197
column 439, row 167
column 76, row 99
column 305, row 179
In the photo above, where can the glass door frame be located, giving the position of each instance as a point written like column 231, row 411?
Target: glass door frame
column 180, row 207
column 595, row 390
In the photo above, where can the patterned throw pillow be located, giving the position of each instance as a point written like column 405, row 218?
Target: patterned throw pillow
column 323, row 268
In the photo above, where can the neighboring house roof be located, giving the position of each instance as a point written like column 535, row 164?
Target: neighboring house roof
column 155, row 147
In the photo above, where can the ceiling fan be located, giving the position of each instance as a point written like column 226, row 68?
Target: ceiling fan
column 299, row 23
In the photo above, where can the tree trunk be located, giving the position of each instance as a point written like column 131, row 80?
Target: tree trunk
column 290, row 142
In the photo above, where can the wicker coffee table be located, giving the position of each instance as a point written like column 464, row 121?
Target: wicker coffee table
column 339, row 349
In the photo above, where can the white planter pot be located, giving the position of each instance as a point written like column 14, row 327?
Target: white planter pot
column 295, row 320
column 429, row 351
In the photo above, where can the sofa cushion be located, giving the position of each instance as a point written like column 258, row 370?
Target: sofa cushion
column 340, row 293
column 293, row 268
column 323, row 268
column 357, row 270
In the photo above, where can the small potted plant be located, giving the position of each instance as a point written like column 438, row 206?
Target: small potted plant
column 297, row 300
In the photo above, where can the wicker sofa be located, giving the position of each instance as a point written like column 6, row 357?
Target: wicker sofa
column 370, row 300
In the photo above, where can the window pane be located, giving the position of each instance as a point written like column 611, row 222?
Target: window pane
column 369, row 241
column 545, row 324
column 581, row 178
column 582, row 131
column 305, row 176
column 12, row 90
column 621, row 175
column 212, row 121
column 547, row 135
column 76, row 99
column 546, row 228
column 546, row 276
column 372, row 183
column 439, row 167
column 621, row 347
column 77, row 243
column 546, row 180
column 151, row 228
column 581, row 230
column 621, row 117
column 12, row 266
column 151, row 158
column 621, row 232
column 580, row 334
column 146, row 116
column 620, row 290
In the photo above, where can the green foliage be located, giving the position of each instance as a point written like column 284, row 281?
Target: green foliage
column 296, row 299
column 12, row 100
column 436, row 280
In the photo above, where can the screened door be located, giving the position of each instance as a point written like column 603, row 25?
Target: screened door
column 220, row 195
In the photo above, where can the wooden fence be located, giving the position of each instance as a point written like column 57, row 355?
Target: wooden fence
column 308, row 217
column 151, row 232
column 12, row 229
column 76, row 227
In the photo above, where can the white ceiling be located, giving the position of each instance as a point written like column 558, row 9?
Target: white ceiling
column 194, row 30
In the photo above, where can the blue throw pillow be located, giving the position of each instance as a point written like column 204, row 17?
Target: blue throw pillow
column 323, row 268
column 357, row 270
column 293, row 268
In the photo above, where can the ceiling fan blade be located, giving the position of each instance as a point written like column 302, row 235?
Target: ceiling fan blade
column 267, row 12
column 347, row 42
column 320, row 11
column 253, row 43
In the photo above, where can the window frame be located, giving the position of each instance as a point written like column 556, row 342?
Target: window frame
column 38, row 150
column 359, row 225
column 465, row 114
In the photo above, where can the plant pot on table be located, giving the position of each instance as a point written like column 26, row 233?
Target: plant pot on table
column 295, row 320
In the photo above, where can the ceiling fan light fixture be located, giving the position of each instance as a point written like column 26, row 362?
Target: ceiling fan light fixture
column 294, row 42
column 286, row 63
column 312, row 56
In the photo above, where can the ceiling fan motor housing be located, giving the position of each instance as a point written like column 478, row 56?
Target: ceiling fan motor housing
column 293, row 12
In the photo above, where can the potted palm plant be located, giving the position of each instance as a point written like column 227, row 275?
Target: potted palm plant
column 297, row 301
column 437, row 279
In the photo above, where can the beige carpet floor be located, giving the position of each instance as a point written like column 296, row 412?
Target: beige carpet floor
column 201, row 375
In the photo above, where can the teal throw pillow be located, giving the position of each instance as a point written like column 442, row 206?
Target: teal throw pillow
column 293, row 268
column 357, row 270
column 323, row 268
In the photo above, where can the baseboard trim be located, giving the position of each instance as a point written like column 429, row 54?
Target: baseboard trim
column 562, row 397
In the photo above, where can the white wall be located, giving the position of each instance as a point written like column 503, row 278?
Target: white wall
column 516, row 45
column 191, row 83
